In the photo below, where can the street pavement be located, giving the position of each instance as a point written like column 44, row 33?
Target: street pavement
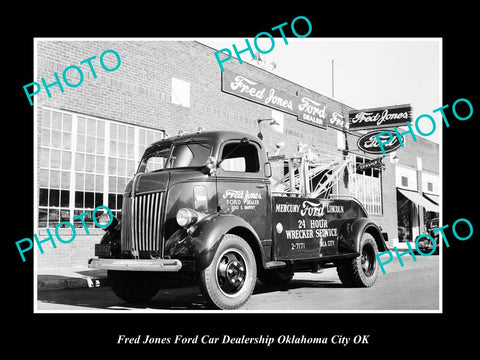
column 413, row 287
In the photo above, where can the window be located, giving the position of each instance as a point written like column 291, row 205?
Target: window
column 84, row 162
column 366, row 186
column 182, row 155
column 180, row 92
column 405, row 181
column 430, row 186
column 240, row 157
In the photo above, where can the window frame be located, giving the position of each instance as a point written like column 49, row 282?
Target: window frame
column 260, row 171
column 135, row 136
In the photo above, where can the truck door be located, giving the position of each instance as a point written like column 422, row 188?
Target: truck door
column 243, row 188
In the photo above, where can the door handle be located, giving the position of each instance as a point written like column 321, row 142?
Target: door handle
column 261, row 186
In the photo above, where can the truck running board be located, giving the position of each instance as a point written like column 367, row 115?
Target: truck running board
column 275, row 264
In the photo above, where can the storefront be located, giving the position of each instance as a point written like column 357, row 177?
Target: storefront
column 90, row 138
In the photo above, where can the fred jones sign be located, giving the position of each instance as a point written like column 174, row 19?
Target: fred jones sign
column 380, row 117
column 307, row 110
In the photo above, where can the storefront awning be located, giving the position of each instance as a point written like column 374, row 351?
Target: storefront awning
column 419, row 200
column 434, row 198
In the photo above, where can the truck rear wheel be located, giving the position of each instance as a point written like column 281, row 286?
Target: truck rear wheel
column 229, row 280
column 132, row 286
column 361, row 271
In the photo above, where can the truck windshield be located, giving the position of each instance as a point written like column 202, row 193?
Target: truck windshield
column 176, row 156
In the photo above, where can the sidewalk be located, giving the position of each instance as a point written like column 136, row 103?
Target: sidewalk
column 70, row 278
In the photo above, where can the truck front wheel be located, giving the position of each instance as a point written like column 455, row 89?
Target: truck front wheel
column 229, row 280
column 132, row 286
column 361, row 271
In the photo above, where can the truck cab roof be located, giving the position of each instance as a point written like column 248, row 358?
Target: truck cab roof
column 216, row 138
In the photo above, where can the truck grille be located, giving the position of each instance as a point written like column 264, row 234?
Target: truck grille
column 142, row 224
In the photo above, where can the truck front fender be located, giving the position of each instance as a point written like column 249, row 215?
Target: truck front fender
column 202, row 243
column 351, row 234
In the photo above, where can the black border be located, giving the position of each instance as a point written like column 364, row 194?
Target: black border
column 61, row 335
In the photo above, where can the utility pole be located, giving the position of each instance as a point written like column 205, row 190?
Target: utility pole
column 333, row 77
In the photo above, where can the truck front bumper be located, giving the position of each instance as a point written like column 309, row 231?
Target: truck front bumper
column 159, row 265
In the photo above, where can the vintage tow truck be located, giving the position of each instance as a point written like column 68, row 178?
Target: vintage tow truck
column 202, row 206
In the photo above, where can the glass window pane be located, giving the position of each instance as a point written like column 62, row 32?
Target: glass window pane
column 149, row 137
column 90, row 163
column 100, row 128
column 121, row 185
column 130, row 151
column 122, row 133
column 112, row 184
column 122, row 149
column 89, row 182
column 65, row 180
column 111, row 201
column 119, row 201
column 44, row 157
column 90, row 144
column 122, row 167
column 56, row 138
column 53, row 217
column 55, row 159
column 100, row 146
column 67, row 140
column 79, row 181
column 67, row 122
column 99, row 183
column 66, row 160
column 141, row 137
column 98, row 199
column 78, row 199
column 65, row 217
column 89, row 200
column 131, row 134
column 130, row 167
column 56, row 120
column 112, row 166
column 54, row 179
column 42, row 218
column 43, row 197
column 43, row 177
column 80, row 142
column 113, row 148
column 100, row 164
column 79, row 162
column 64, row 198
column 91, row 127
column 81, row 125
column 113, row 131
column 54, row 198
column 45, row 137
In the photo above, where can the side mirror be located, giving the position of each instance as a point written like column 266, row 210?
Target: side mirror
column 210, row 165
column 268, row 169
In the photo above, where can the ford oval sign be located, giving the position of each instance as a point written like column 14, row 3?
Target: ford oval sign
column 369, row 144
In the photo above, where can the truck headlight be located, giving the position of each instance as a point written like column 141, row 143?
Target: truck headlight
column 105, row 221
column 186, row 217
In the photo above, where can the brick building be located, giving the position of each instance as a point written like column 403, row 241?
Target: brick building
column 91, row 136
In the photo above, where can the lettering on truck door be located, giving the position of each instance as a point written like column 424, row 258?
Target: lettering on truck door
column 302, row 229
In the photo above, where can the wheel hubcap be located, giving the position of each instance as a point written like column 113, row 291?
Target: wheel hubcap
column 231, row 272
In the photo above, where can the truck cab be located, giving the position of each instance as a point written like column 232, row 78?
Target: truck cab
column 203, row 206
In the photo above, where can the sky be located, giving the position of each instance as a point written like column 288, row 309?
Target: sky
column 368, row 72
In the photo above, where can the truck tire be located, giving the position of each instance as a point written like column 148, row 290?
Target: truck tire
column 229, row 280
column 277, row 277
column 132, row 286
column 361, row 271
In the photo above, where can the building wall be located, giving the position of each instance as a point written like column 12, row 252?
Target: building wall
column 139, row 92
